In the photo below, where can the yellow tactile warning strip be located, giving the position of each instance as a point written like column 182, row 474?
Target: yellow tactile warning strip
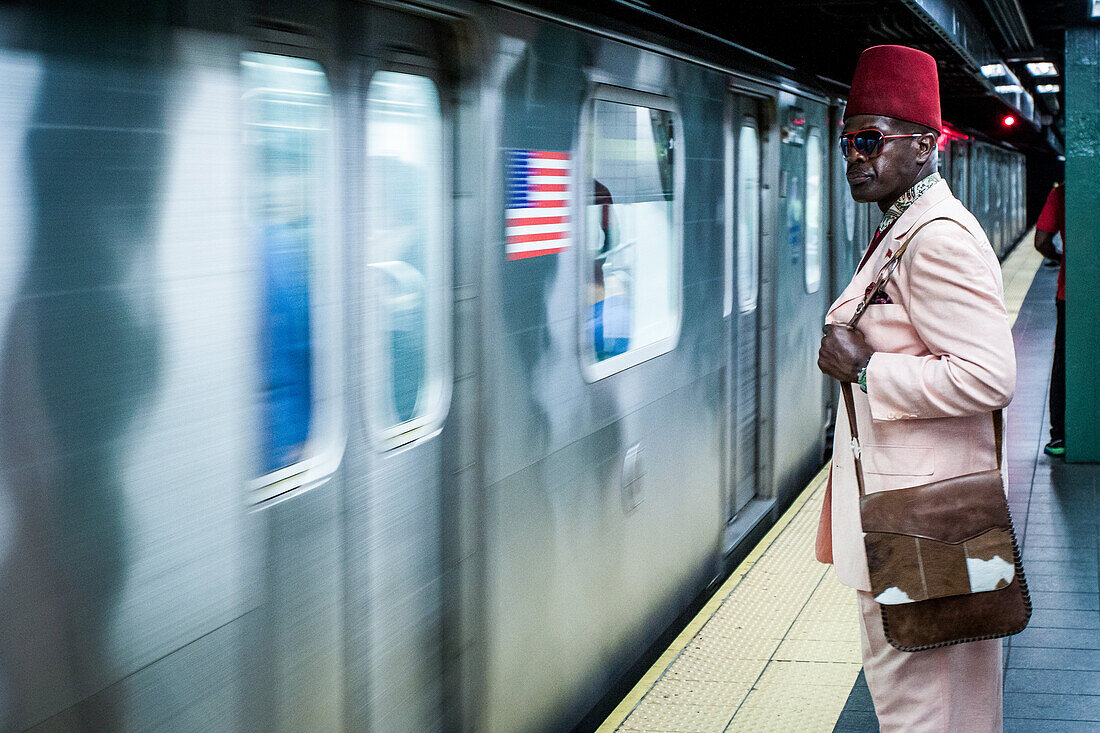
column 1017, row 272
column 777, row 647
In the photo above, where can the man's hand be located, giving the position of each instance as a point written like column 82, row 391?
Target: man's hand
column 843, row 353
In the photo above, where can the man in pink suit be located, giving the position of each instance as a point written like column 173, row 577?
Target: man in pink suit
column 932, row 357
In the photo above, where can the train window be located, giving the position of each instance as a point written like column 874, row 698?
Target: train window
column 814, row 188
column 406, row 245
column 288, row 138
column 632, row 241
column 748, row 214
column 986, row 185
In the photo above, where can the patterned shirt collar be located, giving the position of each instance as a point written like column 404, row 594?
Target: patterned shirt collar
column 906, row 200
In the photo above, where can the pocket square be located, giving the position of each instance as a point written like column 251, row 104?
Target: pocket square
column 880, row 298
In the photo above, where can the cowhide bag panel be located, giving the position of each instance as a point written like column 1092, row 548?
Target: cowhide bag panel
column 944, row 563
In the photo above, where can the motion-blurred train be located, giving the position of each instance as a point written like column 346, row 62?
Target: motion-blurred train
column 397, row 366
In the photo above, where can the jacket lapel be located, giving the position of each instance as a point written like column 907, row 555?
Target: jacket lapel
column 858, row 286
column 916, row 213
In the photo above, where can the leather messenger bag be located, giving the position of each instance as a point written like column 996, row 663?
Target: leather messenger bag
column 943, row 558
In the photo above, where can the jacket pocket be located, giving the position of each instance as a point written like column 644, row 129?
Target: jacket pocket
column 898, row 460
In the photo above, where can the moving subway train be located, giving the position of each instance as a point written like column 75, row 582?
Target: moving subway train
column 398, row 366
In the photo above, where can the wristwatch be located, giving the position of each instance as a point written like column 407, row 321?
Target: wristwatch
column 861, row 377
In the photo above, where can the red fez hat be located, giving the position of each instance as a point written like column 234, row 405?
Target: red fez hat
column 898, row 82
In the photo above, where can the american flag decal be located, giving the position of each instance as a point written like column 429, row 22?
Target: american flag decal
column 537, row 210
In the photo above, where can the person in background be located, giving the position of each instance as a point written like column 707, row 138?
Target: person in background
column 285, row 336
column 1052, row 221
column 610, row 315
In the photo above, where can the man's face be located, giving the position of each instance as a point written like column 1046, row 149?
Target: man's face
column 886, row 176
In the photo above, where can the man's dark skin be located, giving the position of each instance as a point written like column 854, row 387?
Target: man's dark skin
column 882, row 179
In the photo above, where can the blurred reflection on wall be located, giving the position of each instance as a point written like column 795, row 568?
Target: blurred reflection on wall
column 79, row 358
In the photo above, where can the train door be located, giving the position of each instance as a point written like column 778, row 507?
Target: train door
column 848, row 227
column 997, row 215
column 1021, row 203
column 960, row 170
column 982, row 186
column 399, row 265
column 291, row 87
column 946, row 159
column 801, row 292
column 849, row 219
column 743, row 256
column 994, row 230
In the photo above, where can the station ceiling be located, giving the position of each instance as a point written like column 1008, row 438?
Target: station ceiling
column 827, row 36
column 823, row 38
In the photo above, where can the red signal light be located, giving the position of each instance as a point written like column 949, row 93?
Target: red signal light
column 1008, row 121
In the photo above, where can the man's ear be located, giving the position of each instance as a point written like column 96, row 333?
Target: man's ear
column 926, row 146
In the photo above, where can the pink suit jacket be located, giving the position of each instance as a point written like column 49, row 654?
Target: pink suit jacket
column 943, row 361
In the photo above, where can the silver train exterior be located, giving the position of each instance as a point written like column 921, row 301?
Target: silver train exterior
column 393, row 367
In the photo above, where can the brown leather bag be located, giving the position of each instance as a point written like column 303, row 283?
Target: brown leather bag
column 943, row 558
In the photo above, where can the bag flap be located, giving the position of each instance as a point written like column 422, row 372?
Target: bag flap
column 951, row 511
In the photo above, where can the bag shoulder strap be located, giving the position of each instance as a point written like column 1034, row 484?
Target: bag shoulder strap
column 885, row 273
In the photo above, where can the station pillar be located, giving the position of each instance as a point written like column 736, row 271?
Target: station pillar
column 1083, row 243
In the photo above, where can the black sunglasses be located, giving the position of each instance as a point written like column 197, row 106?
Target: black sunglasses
column 868, row 143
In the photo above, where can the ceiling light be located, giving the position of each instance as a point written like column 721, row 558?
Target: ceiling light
column 1042, row 68
column 991, row 70
column 1047, row 88
column 1008, row 89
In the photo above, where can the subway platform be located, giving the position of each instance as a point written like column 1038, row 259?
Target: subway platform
column 777, row 647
